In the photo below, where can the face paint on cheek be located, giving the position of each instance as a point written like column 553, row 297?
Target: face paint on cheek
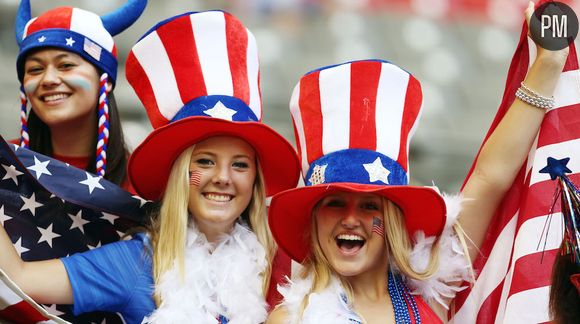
column 194, row 178
column 30, row 86
column 378, row 226
column 78, row 82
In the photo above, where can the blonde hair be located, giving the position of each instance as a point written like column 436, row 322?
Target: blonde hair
column 169, row 228
column 398, row 245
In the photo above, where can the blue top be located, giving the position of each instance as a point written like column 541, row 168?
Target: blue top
column 116, row 277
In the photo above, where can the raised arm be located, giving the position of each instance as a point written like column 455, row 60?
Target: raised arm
column 46, row 282
column 507, row 147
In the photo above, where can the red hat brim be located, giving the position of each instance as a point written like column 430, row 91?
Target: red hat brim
column 151, row 162
column 290, row 211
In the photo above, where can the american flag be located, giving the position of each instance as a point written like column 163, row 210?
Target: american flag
column 513, row 268
column 51, row 210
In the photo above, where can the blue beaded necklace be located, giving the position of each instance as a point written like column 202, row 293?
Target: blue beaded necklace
column 400, row 297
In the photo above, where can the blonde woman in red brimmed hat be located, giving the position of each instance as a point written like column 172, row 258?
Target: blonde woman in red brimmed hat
column 374, row 248
column 207, row 256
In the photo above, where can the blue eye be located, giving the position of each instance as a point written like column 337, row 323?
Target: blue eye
column 371, row 206
column 240, row 165
column 204, row 162
column 333, row 202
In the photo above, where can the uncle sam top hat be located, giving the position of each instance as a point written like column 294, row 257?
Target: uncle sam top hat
column 353, row 123
column 197, row 74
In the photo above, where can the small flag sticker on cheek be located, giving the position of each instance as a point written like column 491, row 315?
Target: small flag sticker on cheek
column 194, row 178
column 378, row 226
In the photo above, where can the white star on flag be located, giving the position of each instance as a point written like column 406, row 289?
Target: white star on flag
column 78, row 221
column 377, row 172
column 70, row 41
column 92, row 183
column 3, row 217
column 19, row 248
column 141, row 200
column 94, row 247
column 15, row 147
column 47, row 235
column 11, row 173
column 42, row 39
column 30, row 204
column 110, row 217
column 221, row 111
column 40, row 167
column 52, row 310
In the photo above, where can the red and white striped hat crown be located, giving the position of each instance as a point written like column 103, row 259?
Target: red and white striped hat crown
column 353, row 123
column 198, row 76
column 369, row 107
column 193, row 61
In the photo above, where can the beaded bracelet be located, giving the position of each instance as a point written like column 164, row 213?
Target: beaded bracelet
column 533, row 98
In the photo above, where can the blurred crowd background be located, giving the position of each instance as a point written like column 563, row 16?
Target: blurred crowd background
column 460, row 51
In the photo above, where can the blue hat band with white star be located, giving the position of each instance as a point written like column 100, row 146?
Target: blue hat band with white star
column 217, row 106
column 71, row 41
column 356, row 166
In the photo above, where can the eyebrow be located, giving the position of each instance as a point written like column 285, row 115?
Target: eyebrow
column 38, row 59
column 237, row 156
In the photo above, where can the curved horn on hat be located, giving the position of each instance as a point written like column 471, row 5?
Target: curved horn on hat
column 22, row 17
column 120, row 19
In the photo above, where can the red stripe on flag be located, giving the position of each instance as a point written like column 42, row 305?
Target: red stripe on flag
column 524, row 279
column 309, row 103
column 55, row 18
column 179, row 43
column 138, row 79
column 237, row 40
column 413, row 101
column 572, row 61
column 21, row 313
column 364, row 78
column 560, row 125
column 488, row 309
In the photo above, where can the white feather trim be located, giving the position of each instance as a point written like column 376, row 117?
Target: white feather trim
column 453, row 264
column 219, row 280
column 326, row 307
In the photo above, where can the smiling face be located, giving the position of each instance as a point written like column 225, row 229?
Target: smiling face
column 222, row 175
column 344, row 228
column 62, row 87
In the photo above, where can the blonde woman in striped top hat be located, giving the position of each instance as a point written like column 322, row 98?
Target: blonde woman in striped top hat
column 208, row 255
column 374, row 248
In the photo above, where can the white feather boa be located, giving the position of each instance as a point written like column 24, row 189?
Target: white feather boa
column 325, row 307
column 453, row 264
column 221, row 279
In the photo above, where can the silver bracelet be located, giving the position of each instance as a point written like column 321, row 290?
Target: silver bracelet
column 533, row 98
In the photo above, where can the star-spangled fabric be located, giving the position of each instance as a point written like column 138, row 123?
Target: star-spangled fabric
column 51, row 210
column 513, row 269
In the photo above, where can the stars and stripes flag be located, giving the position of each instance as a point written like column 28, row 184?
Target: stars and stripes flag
column 513, row 269
column 50, row 210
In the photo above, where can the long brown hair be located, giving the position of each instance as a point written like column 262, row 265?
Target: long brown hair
column 117, row 153
column 564, row 297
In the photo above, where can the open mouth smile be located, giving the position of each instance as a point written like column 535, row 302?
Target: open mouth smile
column 54, row 97
column 218, row 197
column 349, row 244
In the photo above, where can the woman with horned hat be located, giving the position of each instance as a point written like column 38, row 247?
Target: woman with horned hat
column 207, row 256
column 367, row 238
column 67, row 67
